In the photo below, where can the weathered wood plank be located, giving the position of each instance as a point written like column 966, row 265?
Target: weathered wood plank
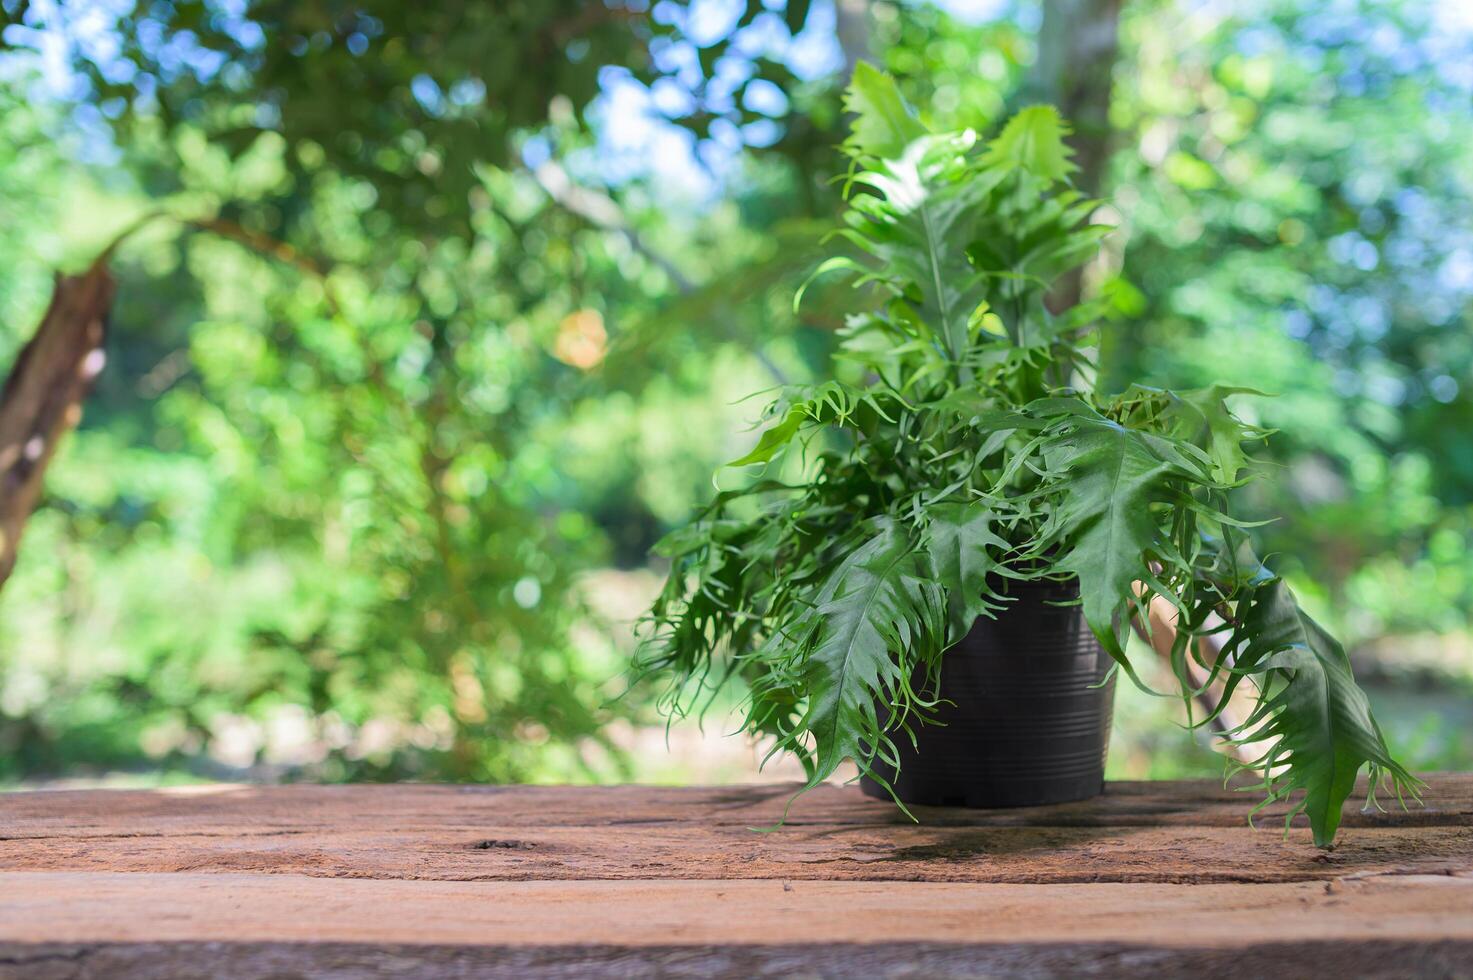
column 1002, row 855
column 1359, row 958
column 436, row 881
column 1447, row 802
column 92, row 908
column 1137, row 832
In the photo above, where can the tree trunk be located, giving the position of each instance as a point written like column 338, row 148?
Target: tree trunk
column 42, row 398
column 851, row 25
column 1077, row 47
column 1078, row 44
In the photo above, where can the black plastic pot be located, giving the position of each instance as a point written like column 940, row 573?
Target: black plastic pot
column 1030, row 720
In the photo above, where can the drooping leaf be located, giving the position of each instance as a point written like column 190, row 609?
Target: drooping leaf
column 682, row 540
column 1318, row 720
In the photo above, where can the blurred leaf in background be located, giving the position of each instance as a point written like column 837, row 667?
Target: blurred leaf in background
column 392, row 521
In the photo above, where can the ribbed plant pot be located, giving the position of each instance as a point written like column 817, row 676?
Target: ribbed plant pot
column 1029, row 722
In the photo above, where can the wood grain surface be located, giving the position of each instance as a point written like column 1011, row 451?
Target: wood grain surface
column 640, row 881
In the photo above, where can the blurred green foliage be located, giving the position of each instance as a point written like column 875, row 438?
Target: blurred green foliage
column 360, row 525
column 1300, row 208
column 333, row 506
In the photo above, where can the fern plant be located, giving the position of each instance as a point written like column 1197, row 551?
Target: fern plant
column 962, row 444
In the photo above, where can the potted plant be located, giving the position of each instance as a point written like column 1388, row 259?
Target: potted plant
column 970, row 527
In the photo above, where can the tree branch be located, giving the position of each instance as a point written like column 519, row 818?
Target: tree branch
column 42, row 398
column 601, row 210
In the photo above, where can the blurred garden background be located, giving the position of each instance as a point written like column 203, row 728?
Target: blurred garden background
column 452, row 307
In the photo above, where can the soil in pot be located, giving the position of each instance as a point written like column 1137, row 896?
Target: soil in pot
column 1029, row 720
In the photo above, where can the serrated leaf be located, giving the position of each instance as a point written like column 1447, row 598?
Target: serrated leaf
column 965, row 555
column 1034, row 140
column 918, row 230
column 1209, row 423
column 884, row 125
column 878, row 616
column 1109, row 477
column 1310, row 708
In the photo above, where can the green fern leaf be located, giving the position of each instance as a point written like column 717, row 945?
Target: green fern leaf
column 966, row 456
column 1310, row 708
column 1108, row 477
column 878, row 616
column 1202, row 416
column 883, row 125
column 965, row 556
column 774, row 438
column 1034, row 140
column 919, row 230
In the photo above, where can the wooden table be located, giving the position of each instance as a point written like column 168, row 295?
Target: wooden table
column 449, row 881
